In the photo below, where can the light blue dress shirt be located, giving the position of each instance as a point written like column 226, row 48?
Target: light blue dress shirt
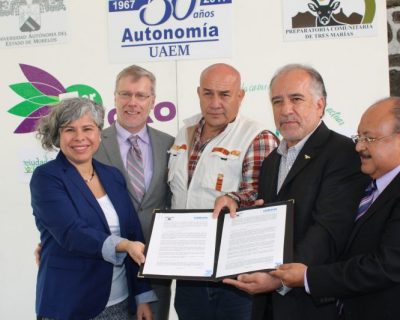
column 145, row 148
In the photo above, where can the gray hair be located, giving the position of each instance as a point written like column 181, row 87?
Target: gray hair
column 61, row 114
column 316, row 78
column 137, row 73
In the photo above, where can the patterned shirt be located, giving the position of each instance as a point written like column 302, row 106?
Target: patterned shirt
column 260, row 148
column 289, row 156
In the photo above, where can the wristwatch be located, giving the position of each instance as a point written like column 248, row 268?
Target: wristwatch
column 282, row 290
column 233, row 197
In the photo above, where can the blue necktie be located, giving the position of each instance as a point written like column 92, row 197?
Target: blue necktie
column 367, row 200
column 365, row 203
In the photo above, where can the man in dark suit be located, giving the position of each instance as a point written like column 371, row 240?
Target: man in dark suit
column 319, row 169
column 367, row 276
column 134, row 99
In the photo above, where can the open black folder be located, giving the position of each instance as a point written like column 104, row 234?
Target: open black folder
column 190, row 244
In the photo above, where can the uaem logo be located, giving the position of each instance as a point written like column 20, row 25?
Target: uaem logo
column 328, row 19
column 154, row 30
column 40, row 93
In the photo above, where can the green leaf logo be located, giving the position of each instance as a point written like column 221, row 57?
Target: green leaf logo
column 40, row 94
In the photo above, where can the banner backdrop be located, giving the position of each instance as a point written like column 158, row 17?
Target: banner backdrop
column 169, row 30
column 252, row 36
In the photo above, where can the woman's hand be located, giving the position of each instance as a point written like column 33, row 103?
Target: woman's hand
column 135, row 250
column 36, row 253
column 143, row 312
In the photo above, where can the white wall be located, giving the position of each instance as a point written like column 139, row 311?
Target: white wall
column 355, row 71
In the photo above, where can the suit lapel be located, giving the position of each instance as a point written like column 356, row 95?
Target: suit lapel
column 156, row 149
column 110, row 145
column 304, row 158
column 390, row 192
column 272, row 169
column 75, row 178
column 308, row 153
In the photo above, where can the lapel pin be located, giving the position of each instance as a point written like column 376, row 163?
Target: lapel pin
column 306, row 156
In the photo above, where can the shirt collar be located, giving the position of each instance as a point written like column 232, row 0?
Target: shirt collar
column 124, row 134
column 198, row 119
column 283, row 147
column 383, row 181
column 201, row 122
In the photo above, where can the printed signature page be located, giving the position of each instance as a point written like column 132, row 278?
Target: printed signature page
column 254, row 240
column 182, row 244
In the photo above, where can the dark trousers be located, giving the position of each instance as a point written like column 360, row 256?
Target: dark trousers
column 212, row 301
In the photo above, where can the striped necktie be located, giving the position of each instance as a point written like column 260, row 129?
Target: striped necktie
column 367, row 200
column 134, row 163
column 365, row 203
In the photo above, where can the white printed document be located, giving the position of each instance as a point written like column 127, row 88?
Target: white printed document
column 190, row 244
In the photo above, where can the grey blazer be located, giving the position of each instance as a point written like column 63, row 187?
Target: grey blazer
column 158, row 195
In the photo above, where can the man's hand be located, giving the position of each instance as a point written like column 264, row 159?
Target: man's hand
column 143, row 312
column 36, row 253
column 291, row 274
column 257, row 282
column 227, row 202
column 224, row 202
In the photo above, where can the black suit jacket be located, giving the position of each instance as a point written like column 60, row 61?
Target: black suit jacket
column 368, row 277
column 326, row 184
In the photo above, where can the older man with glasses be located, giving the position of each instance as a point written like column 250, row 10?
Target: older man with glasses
column 366, row 278
column 319, row 169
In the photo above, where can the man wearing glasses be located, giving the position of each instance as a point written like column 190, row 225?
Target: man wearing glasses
column 366, row 278
column 134, row 99
column 320, row 170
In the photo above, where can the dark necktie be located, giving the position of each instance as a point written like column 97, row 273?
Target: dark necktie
column 367, row 200
column 365, row 203
column 134, row 163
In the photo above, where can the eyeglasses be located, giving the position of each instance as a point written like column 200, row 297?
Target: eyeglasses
column 358, row 138
column 125, row 95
